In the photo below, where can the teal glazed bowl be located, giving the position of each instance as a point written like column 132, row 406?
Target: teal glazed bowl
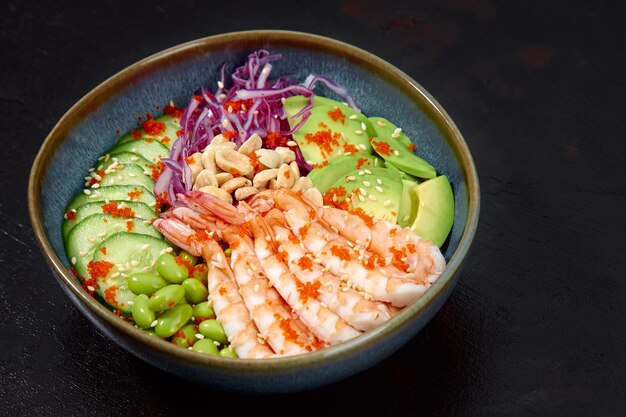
column 88, row 129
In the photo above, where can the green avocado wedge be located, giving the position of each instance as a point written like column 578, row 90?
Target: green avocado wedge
column 167, row 136
column 434, row 211
column 324, row 177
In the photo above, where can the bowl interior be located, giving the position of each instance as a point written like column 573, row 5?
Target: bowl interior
column 93, row 129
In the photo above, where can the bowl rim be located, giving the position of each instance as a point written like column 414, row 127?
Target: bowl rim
column 420, row 97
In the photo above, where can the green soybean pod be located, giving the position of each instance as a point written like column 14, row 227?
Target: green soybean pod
column 200, row 272
column 195, row 291
column 171, row 270
column 206, row 346
column 142, row 314
column 203, row 311
column 213, row 330
column 228, row 352
column 173, row 320
column 145, row 283
column 187, row 257
column 150, row 332
column 166, row 297
column 186, row 336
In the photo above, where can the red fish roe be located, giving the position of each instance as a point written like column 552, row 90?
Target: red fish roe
column 173, row 111
column 305, row 263
column 382, row 148
column 308, row 290
column 71, row 215
column 326, row 140
column 153, row 127
column 135, row 194
column 337, row 114
column 112, row 209
column 341, row 253
column 99, row 269
column 369, row 221
column 349, row 148
column 372, row 261
column 360, row 162
column 331, row 198
column 275, row 139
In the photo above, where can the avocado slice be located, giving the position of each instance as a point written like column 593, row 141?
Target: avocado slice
column 406, row 203
column 434, row 213
column 323, row 136
column 397, row 149
column 167, row 136
column 377, row 191
column 339, row 166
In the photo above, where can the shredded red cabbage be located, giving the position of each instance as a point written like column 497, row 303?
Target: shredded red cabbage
column 251, row 104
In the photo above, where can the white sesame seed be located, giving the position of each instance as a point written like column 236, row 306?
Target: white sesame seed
column 367, row 171
column 224, row 123
column 412, row 229
column 350, row 178
column 309, row 162
column 216, row 343
column 90, row 288
column 88, row 192
column 379, row 181
column 362, row 191
column 291, row 143
column 199, row 336
column 82, row 253
column 363, row 126
column 396, row 153
column 395, row 135
column 358, row 132
column 376, row 162
column 386, row 203
column 144, row 246
column 168, row 250
column 352, row 117
column 361, row 172
column 323, row 304
column 379, row 189
column 372, row 197
column 154, row 323
column 366, row 183
column 361, row 198
column 362, row 146
column 96, row 185
column 73, row 260
column 397, row 130
column 380, row 123
column 405, row 219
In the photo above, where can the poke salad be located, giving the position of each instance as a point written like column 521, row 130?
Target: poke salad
column 261, row 220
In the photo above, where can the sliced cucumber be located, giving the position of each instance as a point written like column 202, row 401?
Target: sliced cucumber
column 122, row 158
column 127, row 174
column 85, row 237
column 139, row 210
column 114, row 193
column 133, row 253
column 152, row 150
column 166, row 137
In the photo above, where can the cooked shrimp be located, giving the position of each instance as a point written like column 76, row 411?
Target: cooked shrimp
column 360, row 312
column 223, row 292
column 302, row 297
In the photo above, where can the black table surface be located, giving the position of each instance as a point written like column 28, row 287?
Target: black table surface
column 537, row 324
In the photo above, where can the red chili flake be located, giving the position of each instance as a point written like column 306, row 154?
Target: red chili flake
column 136, row 134
column 337, row 114
column 179, row 132
column 411, row 147
column 135, row 194
column 308, row 290
column 190, row 160
column 158, row 107
column 369, row 221
column 382, row 147
column 112, row 209
column 238, row 105
column 196, row 270
column 305, row 263
column 130, row 225
column 360, row 162
column 165, row 140
column 349, row 148
column 294, row 239
column 152, row 127
column 103, row 250
column 118, row 313
column 117, row 132
column 109, row 294
column 283, row 255
column 173, row 111
column 229, row 134
column 99, row 269
column 275, row 139
column 341, row 253
column 157, row 170
column 171, row 303
column 197, row 98
column 326, row 140
column 71, row 215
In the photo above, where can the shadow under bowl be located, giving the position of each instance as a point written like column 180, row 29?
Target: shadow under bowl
column 88, row 129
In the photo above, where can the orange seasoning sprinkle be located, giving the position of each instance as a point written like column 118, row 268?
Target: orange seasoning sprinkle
column 360, row 162
column 275, row 139
column 136, row 134
column 369, row 221
column 157, row 170
column 229, row 134
column 90, row 286
column 109, row 294
column 336, row 115
column 393, row 232
column 99, row 269
column 341, row 253
column 254, row 161
column 331, row 198
column 398, row 259
column 111, row 208
column 103, row 250
column 305, row 263
column 288, row 173
column 288, row 331
column 130, row 225
column 382, row 147
column 189, row 160
column 71, row 215
column 303, row 231
column 308, row 290
column 236, row 105
column 372, row 261
column 326, row 140
column 222, row 291
column 411, row 247
column 349, row 148
column 135, row 194
column 411, row 147
column 321, row 164
column 181, row 261
column 173, row 111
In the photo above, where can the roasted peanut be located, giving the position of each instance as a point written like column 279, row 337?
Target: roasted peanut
column 252, row 144
column 217, row 192
column 238, row 182
column 204, row 178
column 285, row 177
column 233, row 162
column 314, row 196
column 286, row 154
column 222, row 177
column 261, row 179
column 195, row 164
column 245, row 192
column 269, row 158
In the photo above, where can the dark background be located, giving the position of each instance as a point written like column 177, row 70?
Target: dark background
column 536, row 325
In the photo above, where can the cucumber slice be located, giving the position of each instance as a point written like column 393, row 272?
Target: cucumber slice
column 140, row 210
column 85, row 237
column 134, row 253
column 107, row 160
column 114, row 193
column 128, row 174
column 166, row 137
column 150, row 149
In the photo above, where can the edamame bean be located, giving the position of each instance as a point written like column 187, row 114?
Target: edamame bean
column 213, row 330
column 206, row 346
column 145, row 283
column 186, row 336
column 171, row 270
column 142, row 315
column 173, row 320
column 187, row 257
column 203, row 311
column 195, row 291
column 166, row 297
column 228, row 352
column 228, row 252
column 150, row 332
column 200, row 272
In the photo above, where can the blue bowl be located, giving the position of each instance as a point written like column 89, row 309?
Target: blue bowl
column 87, row 131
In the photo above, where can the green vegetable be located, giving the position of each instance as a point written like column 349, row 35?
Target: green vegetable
column 142, row 315
column 204, row 311
column 173, row 320
column 213, row 330
column 169, row 269
column 186, row 336
column 206, row 346
column 145, row 283
column 195, row 291
column 228, row 352
column 187, row 257
column 167, row 297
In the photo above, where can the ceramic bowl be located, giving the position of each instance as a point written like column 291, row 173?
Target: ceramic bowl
column 88, row 129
